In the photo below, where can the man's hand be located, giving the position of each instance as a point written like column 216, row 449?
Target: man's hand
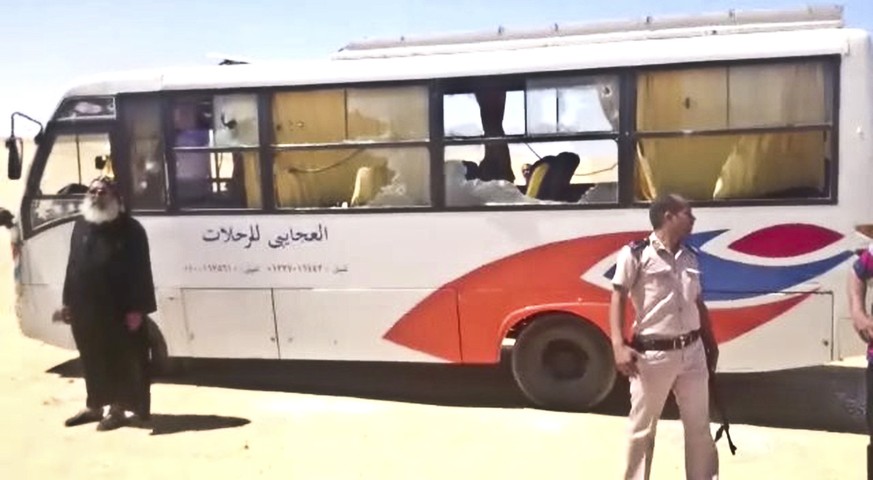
column 62, row 315
column 133, row 320
column 864, row 327
column 626, row 360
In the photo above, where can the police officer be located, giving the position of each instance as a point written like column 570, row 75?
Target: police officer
column 672, row 346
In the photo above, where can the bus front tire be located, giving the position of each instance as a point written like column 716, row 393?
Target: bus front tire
column 563, row 362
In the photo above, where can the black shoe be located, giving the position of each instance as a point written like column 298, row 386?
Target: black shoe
column 111, row 422
column 85, row 416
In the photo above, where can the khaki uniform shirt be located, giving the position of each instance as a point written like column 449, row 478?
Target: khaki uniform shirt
column 663, row 288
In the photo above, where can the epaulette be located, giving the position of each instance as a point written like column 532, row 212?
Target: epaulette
column 637, row 246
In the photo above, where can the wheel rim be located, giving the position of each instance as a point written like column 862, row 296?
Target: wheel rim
column 564, row 360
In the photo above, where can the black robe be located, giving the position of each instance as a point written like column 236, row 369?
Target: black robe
column 108, row 275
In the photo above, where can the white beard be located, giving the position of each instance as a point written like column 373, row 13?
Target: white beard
column 93, row 214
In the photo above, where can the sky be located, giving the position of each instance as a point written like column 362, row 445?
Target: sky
column 48, row 44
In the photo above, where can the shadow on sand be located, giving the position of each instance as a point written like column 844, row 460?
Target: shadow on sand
column 817, row 398
column 161, row 424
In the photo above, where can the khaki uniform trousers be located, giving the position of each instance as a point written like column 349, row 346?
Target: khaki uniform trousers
column 684, row 372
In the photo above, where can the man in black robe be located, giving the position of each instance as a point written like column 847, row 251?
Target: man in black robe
column 108, row 291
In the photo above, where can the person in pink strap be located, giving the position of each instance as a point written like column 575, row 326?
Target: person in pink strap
column 861, row 273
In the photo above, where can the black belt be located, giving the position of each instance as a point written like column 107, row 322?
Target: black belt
column 660, row 344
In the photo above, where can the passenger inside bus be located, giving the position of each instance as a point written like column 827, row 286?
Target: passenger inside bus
column 191, row 124
column 217, row 163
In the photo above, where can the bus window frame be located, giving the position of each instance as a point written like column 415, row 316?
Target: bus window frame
column 434, row 173
column 832, row 65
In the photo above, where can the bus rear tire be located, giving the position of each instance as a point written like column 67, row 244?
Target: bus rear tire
column 563, row 362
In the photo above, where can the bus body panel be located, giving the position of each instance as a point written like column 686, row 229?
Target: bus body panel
column 404, row 306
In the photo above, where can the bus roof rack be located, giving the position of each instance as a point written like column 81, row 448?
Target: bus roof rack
column 820, row 16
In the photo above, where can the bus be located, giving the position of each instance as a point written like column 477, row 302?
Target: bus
column 457, row 198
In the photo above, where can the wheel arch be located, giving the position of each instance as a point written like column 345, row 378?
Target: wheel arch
column 519, row 320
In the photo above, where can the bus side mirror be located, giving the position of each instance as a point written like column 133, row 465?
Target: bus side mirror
column 14, row 166
column 100, row 162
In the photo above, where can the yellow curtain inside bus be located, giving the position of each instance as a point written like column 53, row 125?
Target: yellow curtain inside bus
column 724, row 166
column 327, row 178
column 333, row 177
column 252, row 179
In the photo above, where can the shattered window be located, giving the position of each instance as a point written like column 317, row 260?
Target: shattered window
column 352, row 148
column 528, row 158
column 215, row 150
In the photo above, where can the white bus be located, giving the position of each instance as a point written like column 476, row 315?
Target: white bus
column 435, row 199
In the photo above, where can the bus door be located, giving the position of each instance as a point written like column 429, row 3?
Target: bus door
column 67, row 159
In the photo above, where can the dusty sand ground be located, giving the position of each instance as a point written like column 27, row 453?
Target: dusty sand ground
column 349, row 423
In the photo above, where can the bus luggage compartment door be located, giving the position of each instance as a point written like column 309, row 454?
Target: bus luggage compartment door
column 230, row 323
column 351, row 324
column 796, row 332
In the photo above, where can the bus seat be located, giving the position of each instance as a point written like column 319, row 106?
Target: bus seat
column 472, row 170
column 537, row 177
column 321, row 179
column 566, row 164
column 368, row 182
column 551, row 176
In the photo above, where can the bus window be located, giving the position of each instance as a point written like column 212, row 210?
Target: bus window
column 143, row 130
column 572, row 105
column 536, row 163
column 464, row 117
column 735, row 132
column 356, row 147
column 584, row 172
column 491, row 110
column 215, row 149
column 69, row 169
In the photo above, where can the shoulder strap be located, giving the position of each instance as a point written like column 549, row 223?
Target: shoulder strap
column 637, row 247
